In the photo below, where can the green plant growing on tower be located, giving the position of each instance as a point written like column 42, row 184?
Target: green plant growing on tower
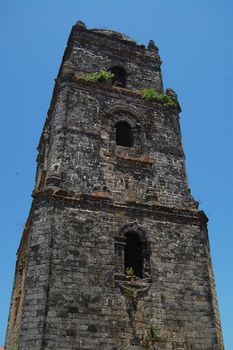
column 151, row 337
column 130, row 292
column 26, row 253
column 129, row 271
column 163, row 297
column 154, row 337
column 150, row 93
column 97, row 77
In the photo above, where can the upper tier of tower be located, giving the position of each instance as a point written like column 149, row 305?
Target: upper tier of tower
column 104, row 138
column 104, row 49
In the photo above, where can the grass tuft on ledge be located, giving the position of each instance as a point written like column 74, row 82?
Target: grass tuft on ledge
column 150, row 94
column 97, row 77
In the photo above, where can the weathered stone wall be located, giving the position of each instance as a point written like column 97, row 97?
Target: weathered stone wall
column 91, row 50
column 87, row 159
column 89, row 193
column 17, row 299
column 74, row 293
column 37, row 278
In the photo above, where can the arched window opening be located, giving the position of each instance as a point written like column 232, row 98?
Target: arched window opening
column 119, row 78
column 134, row 254
column 124, row 135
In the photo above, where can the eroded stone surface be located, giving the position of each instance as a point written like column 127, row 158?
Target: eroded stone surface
column 70, row 289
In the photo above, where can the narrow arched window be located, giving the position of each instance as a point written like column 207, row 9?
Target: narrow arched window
column 134, row 254
column 119, row 78
column 124, row 135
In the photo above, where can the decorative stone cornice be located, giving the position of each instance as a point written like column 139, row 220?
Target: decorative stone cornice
column 102, row 202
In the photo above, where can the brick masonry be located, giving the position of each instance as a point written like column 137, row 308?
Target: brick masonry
column 70, row 290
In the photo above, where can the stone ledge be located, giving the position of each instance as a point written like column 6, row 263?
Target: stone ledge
column 142, row 159
column 101, row 201
column 107, row 86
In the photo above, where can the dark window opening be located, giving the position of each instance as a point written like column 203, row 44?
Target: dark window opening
column 134, row 254
column 119, row 78
column 124, row 135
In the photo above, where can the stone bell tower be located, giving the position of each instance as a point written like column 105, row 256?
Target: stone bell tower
column 115, row 252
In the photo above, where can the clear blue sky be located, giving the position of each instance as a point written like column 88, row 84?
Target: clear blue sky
column 195, row 42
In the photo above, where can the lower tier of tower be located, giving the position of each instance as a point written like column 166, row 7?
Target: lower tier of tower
column 93, row 275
